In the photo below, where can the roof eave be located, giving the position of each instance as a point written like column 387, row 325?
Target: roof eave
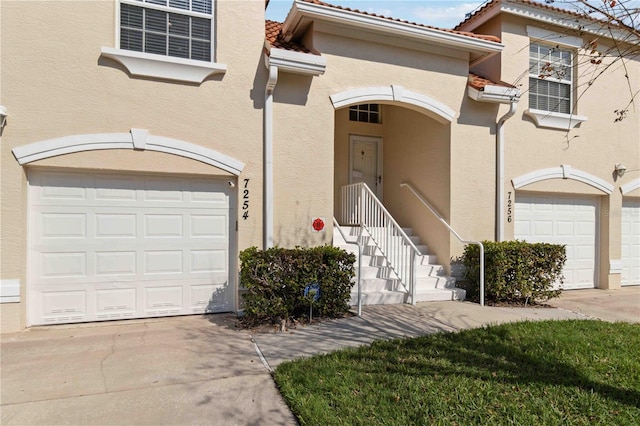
column 552, row 17
column 303, row 10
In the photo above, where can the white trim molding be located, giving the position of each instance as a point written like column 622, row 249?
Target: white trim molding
column 556, row 38
column 562, row 172
column 297, row 62
column 615, row 266
column 395, row 94
column 142, row 64
column 9, row 291
column 138, row 139
column 554, row 120
column 631, row 186
column 301, row 12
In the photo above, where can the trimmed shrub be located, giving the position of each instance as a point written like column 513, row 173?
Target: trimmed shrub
column 515, row 271
column 275, row 280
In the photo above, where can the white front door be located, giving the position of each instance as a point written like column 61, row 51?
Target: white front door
column 631, row 242
column 366, row 165
column 112, row 246
column 562, row 220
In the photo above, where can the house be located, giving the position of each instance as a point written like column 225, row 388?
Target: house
column 146, row 143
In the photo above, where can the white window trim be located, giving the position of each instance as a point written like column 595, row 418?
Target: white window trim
column 141, row 64
column 554, row 120
column 550, row 119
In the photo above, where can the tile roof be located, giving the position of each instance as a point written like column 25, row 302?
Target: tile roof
column 490, row 4
column 273, row 34
column 479, row 83
column 464, row 33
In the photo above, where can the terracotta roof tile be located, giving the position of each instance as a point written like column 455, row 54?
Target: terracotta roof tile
column 479, row 83
column 273, row 34
column 464, row 33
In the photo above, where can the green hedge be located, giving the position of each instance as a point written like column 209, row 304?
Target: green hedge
column 515, row 271
column 275, row 280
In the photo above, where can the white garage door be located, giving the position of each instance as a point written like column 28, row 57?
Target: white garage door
column 559, row 220
column 631, row 242
column 113, row 246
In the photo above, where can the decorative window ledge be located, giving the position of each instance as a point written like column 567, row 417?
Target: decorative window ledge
column 166, row 67
column 554, row 120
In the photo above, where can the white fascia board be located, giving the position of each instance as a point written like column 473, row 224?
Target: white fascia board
column 297, row 62
column 495, row 94
column 302, row 10
column 567, row 21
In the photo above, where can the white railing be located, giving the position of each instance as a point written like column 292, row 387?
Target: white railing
column 444, row 222
column 362, row 208
column 357, row 243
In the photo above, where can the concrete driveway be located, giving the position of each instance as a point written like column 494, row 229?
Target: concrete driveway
column 181, row 370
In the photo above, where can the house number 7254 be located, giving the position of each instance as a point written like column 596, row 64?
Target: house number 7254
column 245, row 200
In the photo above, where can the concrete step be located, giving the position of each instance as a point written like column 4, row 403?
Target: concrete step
column 379, row 298
column 427, row 270
column 435, row 295
column 435, row 283
column 379, row 284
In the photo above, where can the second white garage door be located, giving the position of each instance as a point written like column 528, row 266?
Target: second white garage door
column 113, row 246
column 560, row 220
column 631, row 242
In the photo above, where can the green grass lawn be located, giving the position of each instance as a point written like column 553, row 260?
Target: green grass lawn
column 531, row 373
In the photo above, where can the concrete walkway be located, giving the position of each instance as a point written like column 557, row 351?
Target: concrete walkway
column 204, row 370
column 170, row 371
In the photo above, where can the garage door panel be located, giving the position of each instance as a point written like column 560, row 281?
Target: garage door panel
column 116, row 263
column 570, row 221
column 208, row 261
column 630, row 244
column 126, row 246
column 65, row 265
column 163, row 226
column 163, row 300
column 115, row 303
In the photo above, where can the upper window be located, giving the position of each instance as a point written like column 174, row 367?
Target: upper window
column 366, row 113
column 550, row 79
column 178, row 28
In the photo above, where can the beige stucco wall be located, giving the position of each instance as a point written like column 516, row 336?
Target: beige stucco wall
column 55, row 84
column 594, row 147
column 416, row 148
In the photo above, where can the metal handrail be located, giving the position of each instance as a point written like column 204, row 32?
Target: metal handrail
column 361, row 207
column 357, row 243
column 444, row 222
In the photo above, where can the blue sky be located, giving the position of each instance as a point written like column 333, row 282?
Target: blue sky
column 444, row 14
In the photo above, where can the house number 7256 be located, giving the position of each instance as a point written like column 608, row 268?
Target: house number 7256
column 245, row 200
column 509, row 207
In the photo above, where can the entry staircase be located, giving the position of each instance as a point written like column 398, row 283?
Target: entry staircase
column 394, row 266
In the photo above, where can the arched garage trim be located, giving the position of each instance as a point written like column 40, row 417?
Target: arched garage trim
column 631, row 186
column 138, row 139
column 395, row 95
column 562, row 172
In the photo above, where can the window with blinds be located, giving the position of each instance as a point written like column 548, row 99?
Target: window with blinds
column 550, row 78
column 178, row 28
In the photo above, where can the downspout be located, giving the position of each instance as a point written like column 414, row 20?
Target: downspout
column 268, row 157
column 500, row 170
